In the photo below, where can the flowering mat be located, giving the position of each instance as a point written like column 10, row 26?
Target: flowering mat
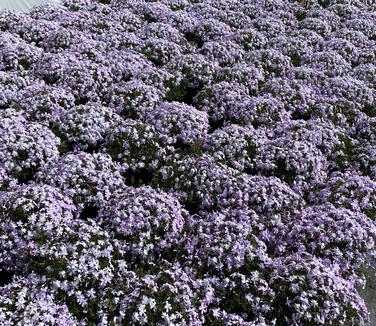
column 187, row 163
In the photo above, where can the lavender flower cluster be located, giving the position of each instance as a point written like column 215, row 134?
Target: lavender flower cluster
column 187, row 162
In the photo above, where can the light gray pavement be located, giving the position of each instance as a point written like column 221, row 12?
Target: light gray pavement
column 369, row 293
column 24, row 5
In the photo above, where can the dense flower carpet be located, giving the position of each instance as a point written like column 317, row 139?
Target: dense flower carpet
column 186, row 162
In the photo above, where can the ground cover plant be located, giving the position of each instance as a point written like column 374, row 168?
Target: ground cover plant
column 186, row 162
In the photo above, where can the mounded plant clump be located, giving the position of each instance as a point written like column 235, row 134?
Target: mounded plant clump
column 187, row 162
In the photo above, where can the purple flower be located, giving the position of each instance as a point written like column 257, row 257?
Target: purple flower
column 192, row 163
